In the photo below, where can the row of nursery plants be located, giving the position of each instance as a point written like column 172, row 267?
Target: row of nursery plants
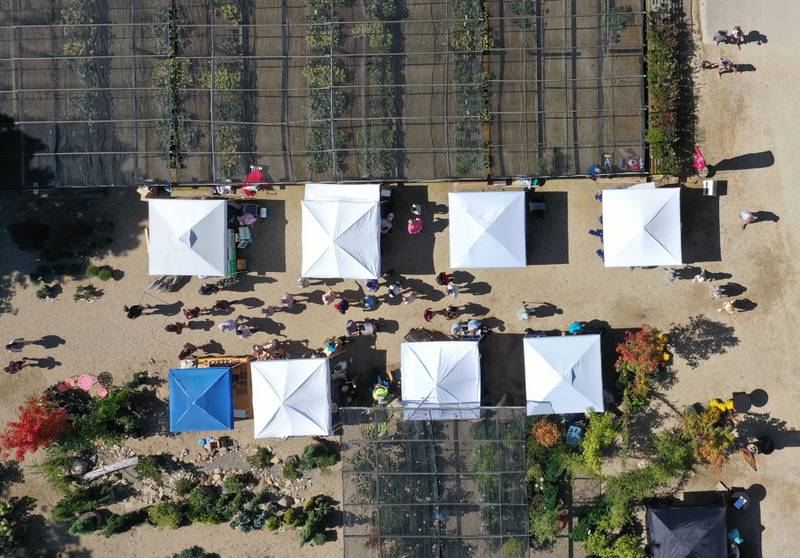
column 172, row 75
column 80, row 38
column 470, row 39
column 379, row 139
column 665, row 73
column 327, row 100
column 227, row 80
column 608, row 527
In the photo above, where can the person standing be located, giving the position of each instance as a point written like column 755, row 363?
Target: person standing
column 244, row 331
column 721, row 36
column 191, row 313
column 16, row 345
column 133, row 312
column 187, row 350
column 747, row 217
column 372, row 285
column 716, row 292
column 302, row 282
column 387, row 223
column 416, row 209
column 268, row 311
column 727, row 307
column 453, row 290
column 16, row 365
column 328, row 297
column 443, row 278
column 737, row 37
column 700, row 277
column 342, row 306
column 287, row 301
column 408, row 298
column 427, row 315
column 671, row 275
column 370, row 302
column 394, row 290
column 415, row 225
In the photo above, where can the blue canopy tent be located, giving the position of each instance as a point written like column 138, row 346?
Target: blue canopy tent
column 200, row 399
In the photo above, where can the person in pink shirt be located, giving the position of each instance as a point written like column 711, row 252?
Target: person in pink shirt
column 415, row 225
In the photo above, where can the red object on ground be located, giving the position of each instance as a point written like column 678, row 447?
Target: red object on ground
column 699, row 160
column 40, row 424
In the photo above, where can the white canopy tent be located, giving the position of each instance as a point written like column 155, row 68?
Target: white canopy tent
column 441, row 380
column 291, row 398
column 188, row 237
column 341, row 231
column 563, row 374
column 487, row 229
column 642, row 227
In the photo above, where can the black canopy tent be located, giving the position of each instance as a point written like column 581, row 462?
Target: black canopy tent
column 687, row 531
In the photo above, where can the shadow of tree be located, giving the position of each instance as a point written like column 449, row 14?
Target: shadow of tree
column 700, row 339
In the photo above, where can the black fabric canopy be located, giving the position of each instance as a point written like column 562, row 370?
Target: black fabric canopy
column 687, row 532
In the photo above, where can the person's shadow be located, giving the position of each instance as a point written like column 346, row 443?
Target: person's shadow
column 765, row 216
column 755, row 37
column 48, row 363
column 49, row 341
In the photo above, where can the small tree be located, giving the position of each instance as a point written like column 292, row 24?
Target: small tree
column 712, row 438
column 545, row 433
column 600, row 434
column 40, row 425
column 166, row 515
column 640, row 356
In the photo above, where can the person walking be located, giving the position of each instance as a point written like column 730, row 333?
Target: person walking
column 191, row 313
column 134, row 311
column 16, row 345
column 700, row 277
column 721, row 36
column 747, row 217
column 737, row 37
column 727, row 66
column 227, row 325
column 287, row 301
column 443, row 278
column 328, row 297
column 244, row 331
column 177, row 327
column 187, row 350
column 16, row 365
column 221, row 305
column 727, row 307
column 342, row 306
column 268, row 311
column 415, row 225
column 394, row 290
column 453, row 290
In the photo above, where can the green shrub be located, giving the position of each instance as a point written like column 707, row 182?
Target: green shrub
column 544, row 527
column 193, row 552
column 261, row 459
column 105, row 274
column 77, row 501
column 147, row 468
column 673, row 453
column 119, row 523
column 13, row 515
column 206, row 506
column 184, row 486
column 600, row 434
column 234, row 484
column 85, row 524
column 291, row 473
column 294, row 517
column 274, row 523
column 92, row 271
column 166, row 515
column 317, row 456
column 54, row 468
column 589, row 521
column 603, row 545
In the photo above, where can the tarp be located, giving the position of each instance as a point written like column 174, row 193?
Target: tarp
column 687, row 532
column 291, row 398
column 487, row 229
column 441, row 380
column 200, row 399
column 563, row 375
column 341, row 232
column 642, row 227
column 188, row 237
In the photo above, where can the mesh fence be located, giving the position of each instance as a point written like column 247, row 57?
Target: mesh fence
column 102, row 92
column 428, row 489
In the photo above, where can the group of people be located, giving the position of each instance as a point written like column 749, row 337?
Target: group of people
column 726, row 65
column 414, row 225
column 15, row 365
column 717, row 291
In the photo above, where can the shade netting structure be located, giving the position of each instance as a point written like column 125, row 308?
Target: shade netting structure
column 200, row 399
column 442, row 379
column 563, row 375
column 687, row 532
column 400, row 91
column 642, row 227
column 188, row 237
column 433, row 488
column 487, row 229
column 341, row 229
column 291, row 398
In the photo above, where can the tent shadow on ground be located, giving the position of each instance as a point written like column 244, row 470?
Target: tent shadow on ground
column 700, row 227
column 267, row 253
column 405, row 253
column 502, row 369
column 547, row 234
column 367, row 362
column 45, row 539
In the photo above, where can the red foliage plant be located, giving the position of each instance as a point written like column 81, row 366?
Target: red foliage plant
column 40, row 424
column 639, row 358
